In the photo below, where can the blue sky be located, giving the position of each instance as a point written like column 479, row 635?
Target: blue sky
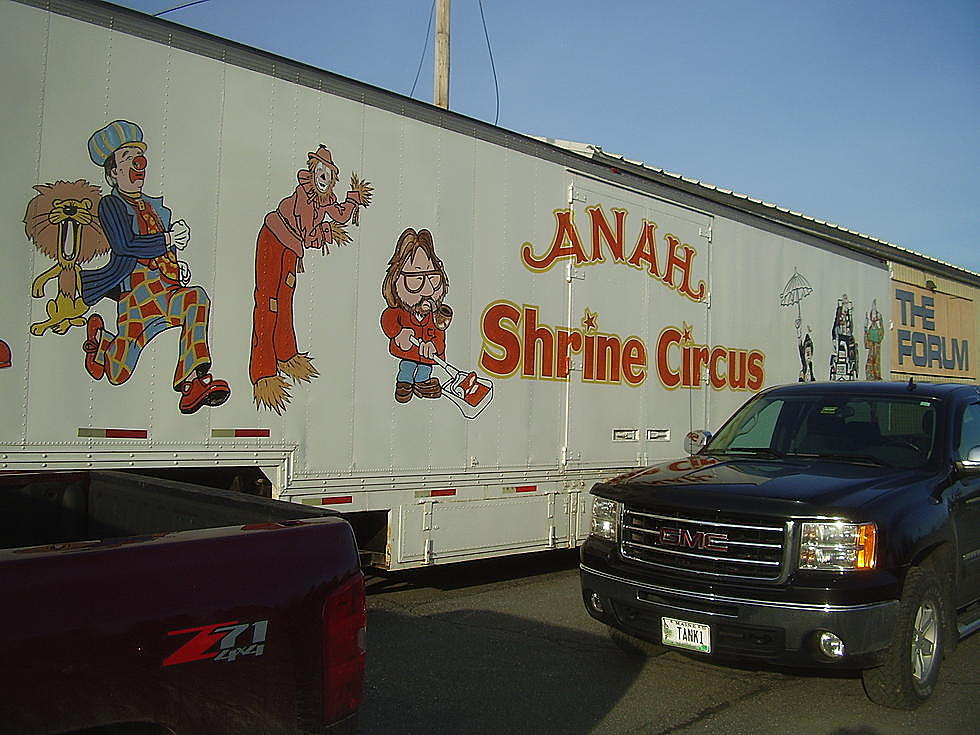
column 864, row 114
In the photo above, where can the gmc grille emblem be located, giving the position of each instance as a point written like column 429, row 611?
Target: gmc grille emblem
column 684, row 538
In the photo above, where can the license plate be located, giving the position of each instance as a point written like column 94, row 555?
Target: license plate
column 684, row 634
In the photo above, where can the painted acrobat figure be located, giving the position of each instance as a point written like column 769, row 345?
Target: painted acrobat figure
column 806, row 359
column 844, row 360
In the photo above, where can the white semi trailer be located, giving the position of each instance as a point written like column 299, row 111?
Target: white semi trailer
column 222, row 264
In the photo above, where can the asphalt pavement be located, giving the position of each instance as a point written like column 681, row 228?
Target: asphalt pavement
column 505, row 646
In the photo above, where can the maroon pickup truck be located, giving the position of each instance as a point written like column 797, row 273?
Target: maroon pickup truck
column 131, row 604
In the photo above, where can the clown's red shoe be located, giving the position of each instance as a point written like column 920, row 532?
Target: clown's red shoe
column 93, row 335
column 202, row 390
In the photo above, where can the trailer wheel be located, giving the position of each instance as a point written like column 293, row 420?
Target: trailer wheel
column 635, row 646
column 911, row 663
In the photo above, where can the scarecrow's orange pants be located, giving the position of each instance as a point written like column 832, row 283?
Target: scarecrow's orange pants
column 273, row 336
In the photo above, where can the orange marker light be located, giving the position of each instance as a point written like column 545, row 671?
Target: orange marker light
column 867, row 537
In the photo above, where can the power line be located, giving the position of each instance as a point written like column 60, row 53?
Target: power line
column 424, row 47
column 178, row 7
column 496, row 89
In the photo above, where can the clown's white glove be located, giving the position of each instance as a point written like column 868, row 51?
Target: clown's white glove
column 180, row 234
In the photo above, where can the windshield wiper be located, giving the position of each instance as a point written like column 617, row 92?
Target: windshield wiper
column 754, row 451
column 844, row 457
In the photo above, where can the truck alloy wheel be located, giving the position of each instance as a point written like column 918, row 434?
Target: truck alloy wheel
column 911, row 663
column 925, row 641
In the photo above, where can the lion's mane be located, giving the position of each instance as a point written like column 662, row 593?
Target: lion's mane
column 76, row 201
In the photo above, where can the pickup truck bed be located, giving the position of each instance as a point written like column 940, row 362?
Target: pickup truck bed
column 129, row 599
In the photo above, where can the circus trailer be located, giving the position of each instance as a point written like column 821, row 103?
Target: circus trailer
column 228, row 268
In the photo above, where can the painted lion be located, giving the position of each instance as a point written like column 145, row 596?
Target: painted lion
column 62, row 223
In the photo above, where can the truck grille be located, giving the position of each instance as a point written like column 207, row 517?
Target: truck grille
column 704, row 543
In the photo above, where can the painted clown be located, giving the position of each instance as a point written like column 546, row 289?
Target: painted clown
column 144, row 277
column 309, row 218
column 874, row 333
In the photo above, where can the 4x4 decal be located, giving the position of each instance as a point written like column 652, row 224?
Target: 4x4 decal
column 220, row 642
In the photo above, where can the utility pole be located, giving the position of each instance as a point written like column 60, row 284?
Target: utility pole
column 441, row 76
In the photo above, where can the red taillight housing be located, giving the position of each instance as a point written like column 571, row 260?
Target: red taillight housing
column 344, row 633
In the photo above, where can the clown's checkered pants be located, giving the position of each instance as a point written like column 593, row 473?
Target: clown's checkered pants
column 151, row 306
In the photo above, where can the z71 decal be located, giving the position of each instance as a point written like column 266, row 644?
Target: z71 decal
column 220, row 642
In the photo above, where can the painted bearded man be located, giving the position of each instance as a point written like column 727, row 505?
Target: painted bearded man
column 416, row 318
column 144, row 278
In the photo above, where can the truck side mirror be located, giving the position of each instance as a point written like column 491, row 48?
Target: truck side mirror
column 970, row 465
column 695, row 441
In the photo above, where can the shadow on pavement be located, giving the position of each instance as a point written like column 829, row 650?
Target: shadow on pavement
column 478, row 671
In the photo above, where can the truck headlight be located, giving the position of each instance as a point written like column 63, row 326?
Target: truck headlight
column 605, row 518
column 838, row 546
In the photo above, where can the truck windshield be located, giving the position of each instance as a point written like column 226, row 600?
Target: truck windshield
column 886, row 430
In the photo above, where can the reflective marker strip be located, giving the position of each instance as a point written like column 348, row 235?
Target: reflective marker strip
column 335, row 500
column 435, row 493
column 237, row 433
column 521, row 489
column 113, row 433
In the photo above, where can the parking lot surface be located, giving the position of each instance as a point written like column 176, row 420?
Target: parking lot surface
column 505, row 646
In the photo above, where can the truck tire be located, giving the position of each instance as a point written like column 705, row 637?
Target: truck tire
column 911, row 663
column 635, row 646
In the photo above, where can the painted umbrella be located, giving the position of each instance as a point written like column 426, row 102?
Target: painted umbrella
column 796, row 289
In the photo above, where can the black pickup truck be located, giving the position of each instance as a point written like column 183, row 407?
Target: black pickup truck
column 825, row 525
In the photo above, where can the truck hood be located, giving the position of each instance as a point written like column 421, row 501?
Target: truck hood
column 791, row 484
